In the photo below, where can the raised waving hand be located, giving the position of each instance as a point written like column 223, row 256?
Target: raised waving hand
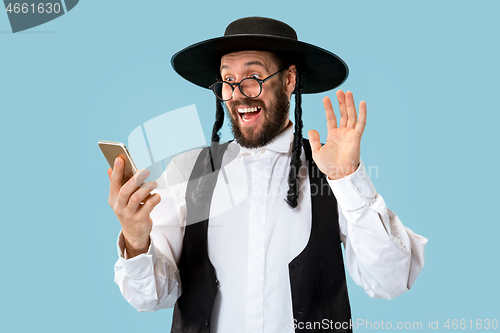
column 340, row 155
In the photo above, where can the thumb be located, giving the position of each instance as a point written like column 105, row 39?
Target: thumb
column 110, row 171
column 314, row 141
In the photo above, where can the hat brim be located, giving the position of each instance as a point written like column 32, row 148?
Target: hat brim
column 321, row 69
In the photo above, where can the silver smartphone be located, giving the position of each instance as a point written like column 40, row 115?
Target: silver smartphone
column 111, row 151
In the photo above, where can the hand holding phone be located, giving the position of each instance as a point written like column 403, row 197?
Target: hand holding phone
column 127, row 191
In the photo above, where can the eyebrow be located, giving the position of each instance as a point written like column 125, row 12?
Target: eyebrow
column 247, row 64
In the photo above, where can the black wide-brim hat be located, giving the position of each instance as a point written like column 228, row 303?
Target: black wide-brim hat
column 321, row 69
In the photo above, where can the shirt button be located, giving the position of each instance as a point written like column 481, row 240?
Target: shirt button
column 262, row 151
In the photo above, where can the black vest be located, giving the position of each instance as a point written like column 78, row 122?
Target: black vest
column 317, row 276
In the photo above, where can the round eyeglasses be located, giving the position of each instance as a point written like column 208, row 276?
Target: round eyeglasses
column 250, row 87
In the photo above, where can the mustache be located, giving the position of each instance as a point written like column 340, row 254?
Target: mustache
column 251, row 102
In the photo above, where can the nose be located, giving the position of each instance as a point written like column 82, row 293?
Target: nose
column 237, row 93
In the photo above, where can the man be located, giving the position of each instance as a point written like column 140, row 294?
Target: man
column 277, row 206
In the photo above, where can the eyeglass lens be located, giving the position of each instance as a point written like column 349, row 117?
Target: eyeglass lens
column 249, row 87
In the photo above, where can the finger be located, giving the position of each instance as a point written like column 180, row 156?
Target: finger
column 314, row 140
column 342, row 108
column 148, row 206
column 131, row 186
column 110, row 171
column 360, row 126
column 116, row 178
column 351, row 110
column 141, row 193
column 331, row 120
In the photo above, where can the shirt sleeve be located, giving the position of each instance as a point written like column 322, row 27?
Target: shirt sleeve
column 382, row 255
column 148, row 282
column 151, row 281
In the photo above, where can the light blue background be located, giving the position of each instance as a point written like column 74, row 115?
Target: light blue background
column 428, row 70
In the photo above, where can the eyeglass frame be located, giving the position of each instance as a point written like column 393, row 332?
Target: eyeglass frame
column 238, row 84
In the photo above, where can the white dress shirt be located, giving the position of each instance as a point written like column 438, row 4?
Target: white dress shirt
column 253, row 234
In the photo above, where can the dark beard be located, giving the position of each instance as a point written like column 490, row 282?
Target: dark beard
column 276, row 115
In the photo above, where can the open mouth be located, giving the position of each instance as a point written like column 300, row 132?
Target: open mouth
column 249, row 115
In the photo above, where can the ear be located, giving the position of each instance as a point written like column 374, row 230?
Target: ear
column 290, row 79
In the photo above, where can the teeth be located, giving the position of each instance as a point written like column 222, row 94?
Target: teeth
column 245, row 110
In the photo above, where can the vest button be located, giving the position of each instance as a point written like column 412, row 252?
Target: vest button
column 207, row 323
column 216, row 281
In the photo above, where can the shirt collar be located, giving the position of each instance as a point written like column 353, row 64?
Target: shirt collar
column 280, row 144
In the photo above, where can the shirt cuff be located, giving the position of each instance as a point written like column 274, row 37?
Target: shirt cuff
column 355, row 190
column 138, row 267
